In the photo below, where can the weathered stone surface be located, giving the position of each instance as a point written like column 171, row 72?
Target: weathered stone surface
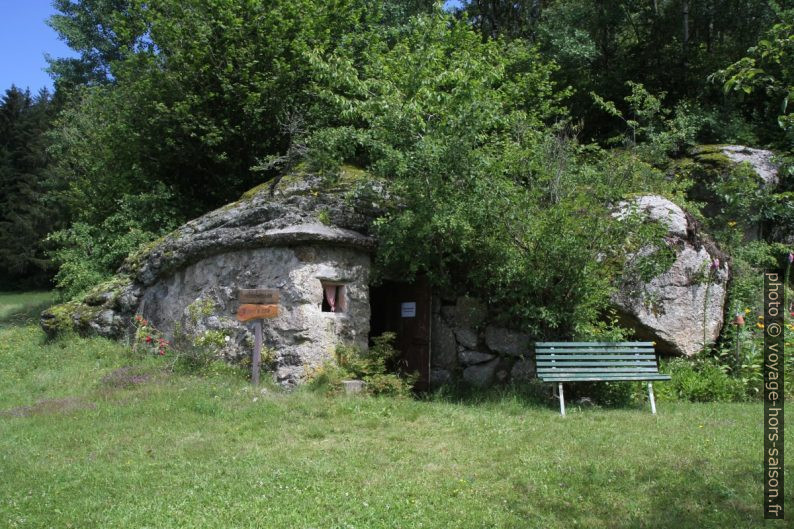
column 353, row 387
column 523, row 370
column 468, row 357
column 657, row 209
column 443, row 345
column 674, row 307
column 466, row 337
column 481, row 375
column 186, row 283
column 505, row 341
column 761, row 160
column 439, row 377
column 448, row 313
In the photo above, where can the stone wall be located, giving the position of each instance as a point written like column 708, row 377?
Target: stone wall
column 466, row 347
column 201, row 301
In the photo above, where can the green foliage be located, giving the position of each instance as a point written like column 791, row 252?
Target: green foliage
column 456, row 124
column 25, row 218
column 90, row 253
column 765, row 76
column 376, row 367
column 704, row 381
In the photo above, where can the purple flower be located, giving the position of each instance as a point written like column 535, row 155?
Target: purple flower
column 790, row 257
column 715, row 265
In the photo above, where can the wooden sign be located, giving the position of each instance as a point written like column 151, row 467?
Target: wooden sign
column 256, row 312
column 261, row 296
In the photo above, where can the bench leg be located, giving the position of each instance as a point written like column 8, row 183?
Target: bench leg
column 650, row 396
column 562, row 400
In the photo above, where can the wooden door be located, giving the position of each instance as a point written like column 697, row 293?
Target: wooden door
column 404, row 309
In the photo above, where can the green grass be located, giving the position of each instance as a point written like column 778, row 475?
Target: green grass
column 23, row 307
column 83, row 444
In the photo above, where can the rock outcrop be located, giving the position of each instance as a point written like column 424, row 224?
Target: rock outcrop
column 306, row 233
column 682, row 306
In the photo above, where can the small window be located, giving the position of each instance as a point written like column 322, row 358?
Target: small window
column 334, row 297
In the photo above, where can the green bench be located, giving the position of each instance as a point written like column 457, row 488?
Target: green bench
column 558, row 362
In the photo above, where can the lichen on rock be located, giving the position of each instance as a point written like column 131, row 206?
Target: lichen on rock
column 187, row 281
column 682, row 306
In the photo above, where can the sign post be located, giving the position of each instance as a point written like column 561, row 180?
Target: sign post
column 257, row 304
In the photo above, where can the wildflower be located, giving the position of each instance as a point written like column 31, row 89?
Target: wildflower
column 148, row 339
column 715, row 265
column 790, row 257
column 731, row 223
column 747, row 311
column 759, row 325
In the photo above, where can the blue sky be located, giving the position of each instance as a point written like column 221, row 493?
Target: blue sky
column 24, row 40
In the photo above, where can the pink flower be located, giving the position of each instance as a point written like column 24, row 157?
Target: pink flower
column 715, row 265
column 790, row 257
column 148, row 339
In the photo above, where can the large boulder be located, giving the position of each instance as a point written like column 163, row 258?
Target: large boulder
column 293, row 237
column 682, row 307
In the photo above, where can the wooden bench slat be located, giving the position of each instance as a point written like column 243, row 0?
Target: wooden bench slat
column 593, row 344
column 585, row 363
column 604, row 378
column 627, row 369
column 594, row 351
column 595, row 358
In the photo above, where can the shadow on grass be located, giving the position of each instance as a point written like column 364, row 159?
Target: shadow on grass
column 24, row 313
column 697, row 494
column 530, row 394
column 534, row 393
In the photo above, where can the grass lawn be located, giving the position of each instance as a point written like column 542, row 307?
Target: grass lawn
column 94, row 436
column 22, row 307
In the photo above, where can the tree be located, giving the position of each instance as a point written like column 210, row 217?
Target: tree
column 24, row 217
column 765, row 77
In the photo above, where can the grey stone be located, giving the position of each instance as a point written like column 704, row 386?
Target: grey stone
column 448, row 313
column 439, row 377
column 762, row 161
column 673, row 308
column 443, row 351
column 353, row 387
column 466, row 337
column 506, row 342
column 481, row 375
column 468, row 358
column 523, row 370
column 657, row 209
column 469, row 312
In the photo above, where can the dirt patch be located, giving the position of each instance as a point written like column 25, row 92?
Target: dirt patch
column 50, row 407
column 125, row 377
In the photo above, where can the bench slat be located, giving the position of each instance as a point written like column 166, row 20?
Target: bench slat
column 566, row 369
column 562, row 365
column 604, row 378
column 595, row 358
column 595, row 351
column 593, row 344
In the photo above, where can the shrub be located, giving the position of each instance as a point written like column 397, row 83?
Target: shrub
column 699, row 381
column 376, row 367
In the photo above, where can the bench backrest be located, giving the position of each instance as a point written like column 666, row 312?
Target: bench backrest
column 600, row 359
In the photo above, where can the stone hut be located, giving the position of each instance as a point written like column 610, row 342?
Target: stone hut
column 306, row 239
